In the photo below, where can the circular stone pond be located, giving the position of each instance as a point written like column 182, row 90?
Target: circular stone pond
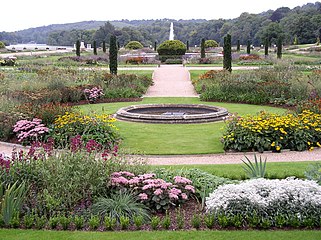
column 172, row 113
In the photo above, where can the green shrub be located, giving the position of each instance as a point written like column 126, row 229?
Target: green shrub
column 171, row 48
column 134, row 45
column 211, row 44
column 2, row 45
column 110, row 223
column 94, row 222
column 155, row 221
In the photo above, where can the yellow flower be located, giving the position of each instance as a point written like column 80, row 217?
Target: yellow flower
column 273, row 144
column 311, row 148
column 318, row 144
column 278, row 148
column 281, row 138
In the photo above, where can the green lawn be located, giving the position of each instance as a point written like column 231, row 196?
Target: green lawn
column 235, row 171
column 11, row 234
column 174, row 138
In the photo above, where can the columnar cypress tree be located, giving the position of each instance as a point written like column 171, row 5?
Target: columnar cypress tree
column 238, row 46
column 227, row 60
column 78, row 48
column 118, row 45
column 203, row 48
column 248, row 48
column 187, row 45
column 279, row 48
column 266, row 47
column 104, row 46
column 113, row 55
column 95, row 48
column 155, row 46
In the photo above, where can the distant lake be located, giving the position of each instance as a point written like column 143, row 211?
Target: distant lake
column 29, row 46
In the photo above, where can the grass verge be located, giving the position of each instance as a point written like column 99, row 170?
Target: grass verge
column 11, row 234
column 274, row 170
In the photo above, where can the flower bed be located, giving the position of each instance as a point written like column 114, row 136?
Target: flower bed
column 266, row 203
column 274, row 132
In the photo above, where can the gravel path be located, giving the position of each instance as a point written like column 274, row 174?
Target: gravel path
column 171, row 81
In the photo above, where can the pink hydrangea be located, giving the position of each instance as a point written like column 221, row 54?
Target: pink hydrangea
column 119, row 181
column 181, row 180
column 158, row 191
column 190, row 188
column 143, row 196
column 184, row 196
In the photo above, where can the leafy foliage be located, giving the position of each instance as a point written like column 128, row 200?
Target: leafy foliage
column 134, row 45
column 120, row 204
column 256, row 169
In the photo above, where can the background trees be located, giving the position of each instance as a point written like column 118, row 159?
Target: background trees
column 303, row 22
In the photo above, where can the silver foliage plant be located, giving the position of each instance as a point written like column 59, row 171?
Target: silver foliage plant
column 267, row 198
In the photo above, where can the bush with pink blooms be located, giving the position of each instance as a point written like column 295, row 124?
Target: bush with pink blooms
column 93, row 94
column 156, row 193
column 28, row 131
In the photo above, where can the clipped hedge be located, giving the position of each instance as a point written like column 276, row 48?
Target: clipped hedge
column 171, row 49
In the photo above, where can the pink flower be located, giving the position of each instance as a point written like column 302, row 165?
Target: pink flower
column 184, row 196
column 158, row 191
column 134, row 181
column 143, row 196
column 182, row 180
column 146, row 176
column 190, row 188
column 173, row 196
column 119, row 181
column 175, row 191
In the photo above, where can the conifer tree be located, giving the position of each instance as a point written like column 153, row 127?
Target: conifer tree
column 78, row 48
column 113, row 55
column 248, row 48
column 238, row 46
column 227, row 60
column 104, row 46
column 279, row 48
column 155, row 46
column 203, row 48
column 266, row 47
column 95, row 48
column 187, row 45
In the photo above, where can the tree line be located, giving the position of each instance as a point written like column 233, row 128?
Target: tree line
column 297, row 25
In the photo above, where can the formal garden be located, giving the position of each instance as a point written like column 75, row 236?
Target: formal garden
column 85, row 173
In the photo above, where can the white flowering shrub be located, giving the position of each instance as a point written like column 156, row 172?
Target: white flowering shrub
column 269, row 199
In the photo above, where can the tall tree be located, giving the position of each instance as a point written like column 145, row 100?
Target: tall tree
column 238, row 46
column 266, row 47
column 203, row 48
column 248, row 47
column 155, row 46
column 95, row 48
column 104, row 46
column 279, row 48
column 187, row 45
column 104, row 32
column 78, row 48
column 113, row 55
column 227, row 59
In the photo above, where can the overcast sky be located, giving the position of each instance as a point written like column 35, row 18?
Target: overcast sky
column 22, row 14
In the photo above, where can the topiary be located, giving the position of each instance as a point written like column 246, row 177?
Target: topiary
column 172, row 47
column 211, row 44
column 134, row 45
